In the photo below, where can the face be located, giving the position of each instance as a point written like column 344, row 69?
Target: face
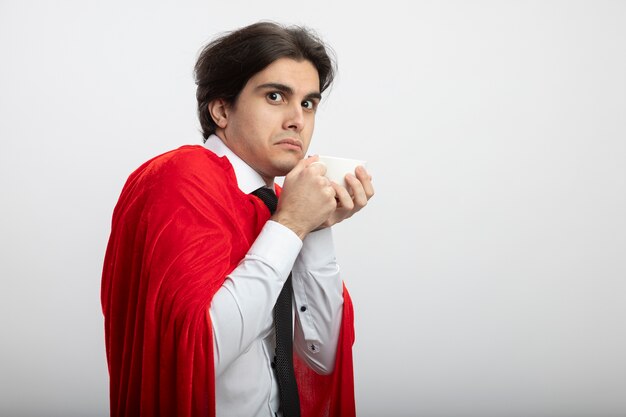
column 271, row 123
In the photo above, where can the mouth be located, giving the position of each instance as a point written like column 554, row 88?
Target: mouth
column 290, row 143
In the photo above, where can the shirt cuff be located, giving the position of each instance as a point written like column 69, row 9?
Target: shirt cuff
column 278, row 246
column 318, row 250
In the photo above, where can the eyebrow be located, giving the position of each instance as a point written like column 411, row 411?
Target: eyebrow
column 286, row 89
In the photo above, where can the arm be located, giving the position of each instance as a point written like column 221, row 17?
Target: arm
column 318, row 302
column 318, row 289
column 241, row 310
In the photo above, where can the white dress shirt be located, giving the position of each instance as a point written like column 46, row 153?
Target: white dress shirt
column 242, row 309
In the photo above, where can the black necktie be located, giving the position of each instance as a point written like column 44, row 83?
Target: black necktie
column 287, row 388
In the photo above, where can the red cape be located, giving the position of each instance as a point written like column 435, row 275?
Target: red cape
column 180, row 227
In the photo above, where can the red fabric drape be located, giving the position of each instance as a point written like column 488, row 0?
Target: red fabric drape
column 181, row 225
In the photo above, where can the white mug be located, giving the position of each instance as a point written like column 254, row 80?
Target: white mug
column 337, row 168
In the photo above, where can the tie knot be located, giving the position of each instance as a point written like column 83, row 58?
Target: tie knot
column 268, row 197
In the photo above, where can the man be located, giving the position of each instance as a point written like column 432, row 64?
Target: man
column 200, row 264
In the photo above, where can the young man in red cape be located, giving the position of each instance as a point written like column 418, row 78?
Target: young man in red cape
column 196, row 261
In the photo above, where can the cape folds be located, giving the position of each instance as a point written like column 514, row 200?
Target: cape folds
column 181, row 225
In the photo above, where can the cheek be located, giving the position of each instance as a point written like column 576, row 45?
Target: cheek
column 307, row 133
column 245, row 129
column 261, row 120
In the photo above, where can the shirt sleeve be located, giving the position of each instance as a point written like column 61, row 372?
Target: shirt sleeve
column 318, row 301
column 241, row 310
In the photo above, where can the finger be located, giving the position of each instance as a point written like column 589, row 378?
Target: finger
column 305, row 163
column 331, row 194
column 318, row 167
column 366, row 181
column 344, row 200
column 311, row 159
column 358, row 193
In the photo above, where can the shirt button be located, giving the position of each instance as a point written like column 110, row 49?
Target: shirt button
column 303, row 308
column 313, row 348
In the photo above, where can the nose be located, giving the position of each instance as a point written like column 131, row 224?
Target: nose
column 294, row 119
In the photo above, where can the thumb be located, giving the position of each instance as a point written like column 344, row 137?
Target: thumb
column 304, row 163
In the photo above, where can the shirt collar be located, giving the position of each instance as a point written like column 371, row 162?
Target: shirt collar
column 248, row 179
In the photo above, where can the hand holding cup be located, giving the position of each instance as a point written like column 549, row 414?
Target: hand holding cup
column 352, row 184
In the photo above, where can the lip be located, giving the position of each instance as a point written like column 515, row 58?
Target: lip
column 291, row 143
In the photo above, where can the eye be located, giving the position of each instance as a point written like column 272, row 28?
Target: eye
column 275, row 96
column 309, row 104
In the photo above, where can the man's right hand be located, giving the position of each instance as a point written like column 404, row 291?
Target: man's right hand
column 307, row 198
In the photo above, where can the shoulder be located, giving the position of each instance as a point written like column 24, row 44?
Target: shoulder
column 188, row 173
column 188, row 158
column 189, row 162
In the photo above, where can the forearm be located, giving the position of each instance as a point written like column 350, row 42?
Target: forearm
column 241, row 310
column 318, row 298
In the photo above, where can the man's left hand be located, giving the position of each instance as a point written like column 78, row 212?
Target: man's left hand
column 348, row 203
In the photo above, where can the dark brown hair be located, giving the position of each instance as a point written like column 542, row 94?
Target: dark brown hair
column 226, row 64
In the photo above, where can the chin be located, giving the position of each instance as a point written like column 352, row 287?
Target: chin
column 284, row 167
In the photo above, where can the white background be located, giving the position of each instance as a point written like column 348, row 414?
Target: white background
column 489, row 271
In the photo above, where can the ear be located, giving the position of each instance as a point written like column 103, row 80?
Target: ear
column 218, row 109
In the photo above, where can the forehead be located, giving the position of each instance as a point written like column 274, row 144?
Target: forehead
column 301, row 76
